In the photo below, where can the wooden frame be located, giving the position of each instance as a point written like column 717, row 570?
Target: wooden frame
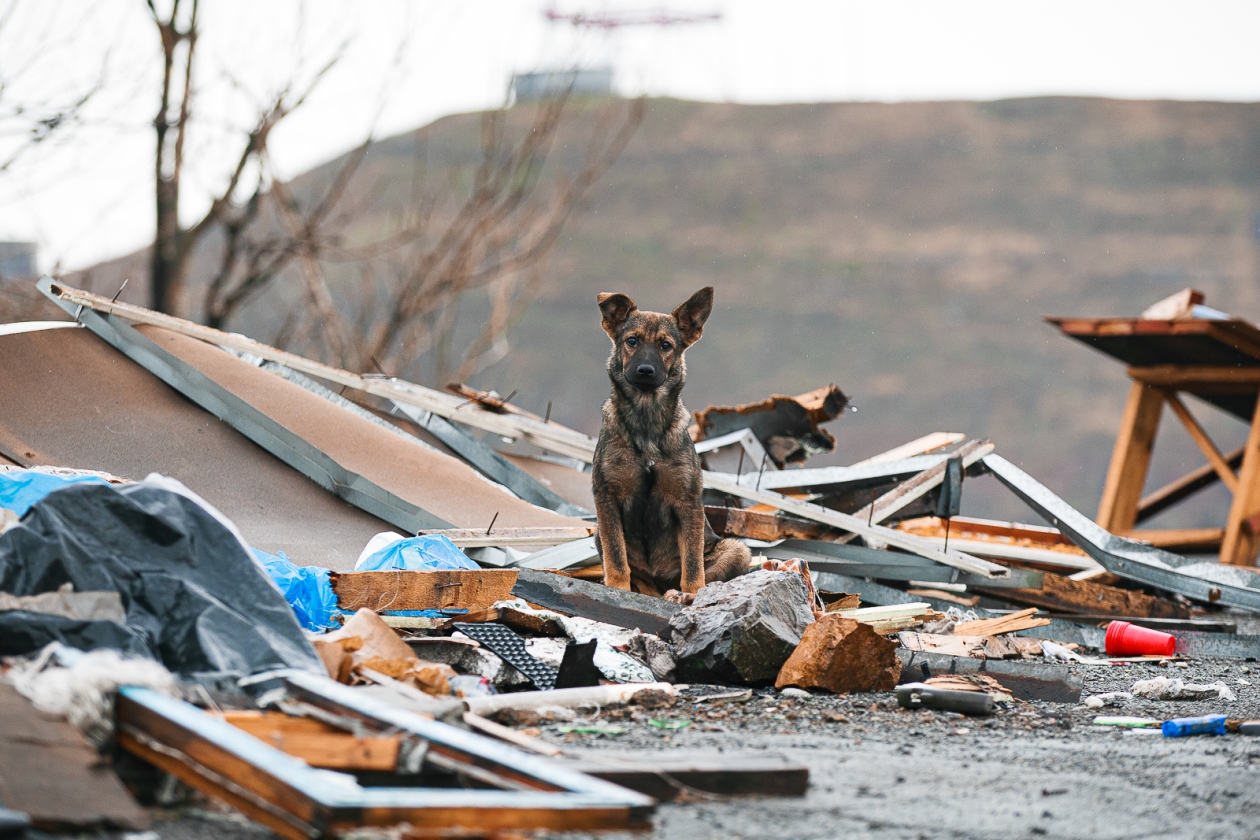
column 300, row 802
column 1122, row 505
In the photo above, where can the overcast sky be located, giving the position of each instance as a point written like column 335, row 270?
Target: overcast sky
column 408, row 63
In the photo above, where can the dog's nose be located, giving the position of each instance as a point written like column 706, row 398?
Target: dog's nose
column 645, row 370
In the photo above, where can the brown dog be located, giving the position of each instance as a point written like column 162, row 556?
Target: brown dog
column 646, row 474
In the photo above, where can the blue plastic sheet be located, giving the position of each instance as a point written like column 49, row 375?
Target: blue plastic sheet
column 308, row 590
column 418, row 554
column 20, row 489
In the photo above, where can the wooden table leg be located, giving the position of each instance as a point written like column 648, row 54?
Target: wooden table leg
column 1130, row 460
column 1241, row 538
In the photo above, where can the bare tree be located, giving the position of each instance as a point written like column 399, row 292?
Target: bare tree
column 30, row 114
column 173, row 243
column 496, row 238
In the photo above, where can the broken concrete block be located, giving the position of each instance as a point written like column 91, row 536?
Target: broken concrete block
column 841, row 655
column 742, row 630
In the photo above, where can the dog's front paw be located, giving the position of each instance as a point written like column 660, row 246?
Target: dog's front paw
column 684, row 598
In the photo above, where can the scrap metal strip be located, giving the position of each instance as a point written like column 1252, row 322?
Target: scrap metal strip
column 252, row 423
column 827, row 516
column 1130, row 560
column 859, row 561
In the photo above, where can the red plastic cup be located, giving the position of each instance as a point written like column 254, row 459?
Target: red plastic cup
column 1125, row 639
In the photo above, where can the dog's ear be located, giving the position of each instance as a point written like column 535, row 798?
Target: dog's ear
column 616, row 308
column 691, row 315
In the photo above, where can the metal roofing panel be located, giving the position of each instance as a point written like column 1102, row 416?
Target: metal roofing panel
column 438, row 483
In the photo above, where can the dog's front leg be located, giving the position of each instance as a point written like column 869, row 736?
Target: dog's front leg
column 612, row 544
column 691, row 547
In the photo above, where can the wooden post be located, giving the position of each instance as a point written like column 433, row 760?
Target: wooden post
column 1130, row 460
column 1241, row 540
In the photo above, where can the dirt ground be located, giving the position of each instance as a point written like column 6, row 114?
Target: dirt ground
column 876, row 771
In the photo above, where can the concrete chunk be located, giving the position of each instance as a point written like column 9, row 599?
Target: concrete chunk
column 743, row 630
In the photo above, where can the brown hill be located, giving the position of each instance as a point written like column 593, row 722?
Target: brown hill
column 905, row 252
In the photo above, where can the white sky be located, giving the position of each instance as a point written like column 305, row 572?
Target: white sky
column 408, row 63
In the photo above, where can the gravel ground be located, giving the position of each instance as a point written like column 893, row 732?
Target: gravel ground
column 1032, row 770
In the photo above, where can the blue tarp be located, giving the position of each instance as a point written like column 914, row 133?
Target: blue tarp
column 20, row 489
column 431, row 552
column 307, row 589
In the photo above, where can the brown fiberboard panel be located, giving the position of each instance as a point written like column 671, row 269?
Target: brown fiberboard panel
column 440, row 484
column 71, row 400
column 50, row 771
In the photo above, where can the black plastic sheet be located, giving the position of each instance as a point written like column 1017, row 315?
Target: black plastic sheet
column 194, row 599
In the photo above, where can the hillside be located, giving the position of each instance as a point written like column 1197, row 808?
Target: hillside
column 905, row 252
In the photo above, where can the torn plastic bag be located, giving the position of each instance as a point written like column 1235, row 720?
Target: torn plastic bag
column 417, row 554
column 20, row 489
column 194, row 599
column 308, row 590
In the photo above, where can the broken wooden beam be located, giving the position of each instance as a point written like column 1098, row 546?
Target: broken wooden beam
column 422, row 590
column 759, row 525
column 1079, row 596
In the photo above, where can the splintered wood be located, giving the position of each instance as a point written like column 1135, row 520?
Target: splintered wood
column 1013, row 623
column 436, row 590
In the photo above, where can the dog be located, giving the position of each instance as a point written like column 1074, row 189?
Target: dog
column 652, row 534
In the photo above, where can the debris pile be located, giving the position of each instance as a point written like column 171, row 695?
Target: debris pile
column 375, row 592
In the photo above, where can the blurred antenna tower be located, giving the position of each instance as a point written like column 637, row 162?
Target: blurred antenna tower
column 594, row 81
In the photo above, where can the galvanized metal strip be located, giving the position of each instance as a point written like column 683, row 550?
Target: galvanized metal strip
column 1126, row 558
column 859, row 561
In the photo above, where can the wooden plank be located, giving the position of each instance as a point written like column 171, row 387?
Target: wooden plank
column 1013, row 623
column 435, row 590
column 1130, row 459
column 317, row 743
column 1078, row 596
column 1242, row 537
column 1201, row 440
column 479, row 538
column 857, row 526
column 759, row 525
column 547, row 435
column 1157, row 501
column 1187, row 377
column 1183, row 540
column 919, row 446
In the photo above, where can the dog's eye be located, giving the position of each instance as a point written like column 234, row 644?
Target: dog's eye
column 632, row 342
column 666, row 346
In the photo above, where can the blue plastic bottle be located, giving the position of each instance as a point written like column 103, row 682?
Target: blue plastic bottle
column 1206, row 725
